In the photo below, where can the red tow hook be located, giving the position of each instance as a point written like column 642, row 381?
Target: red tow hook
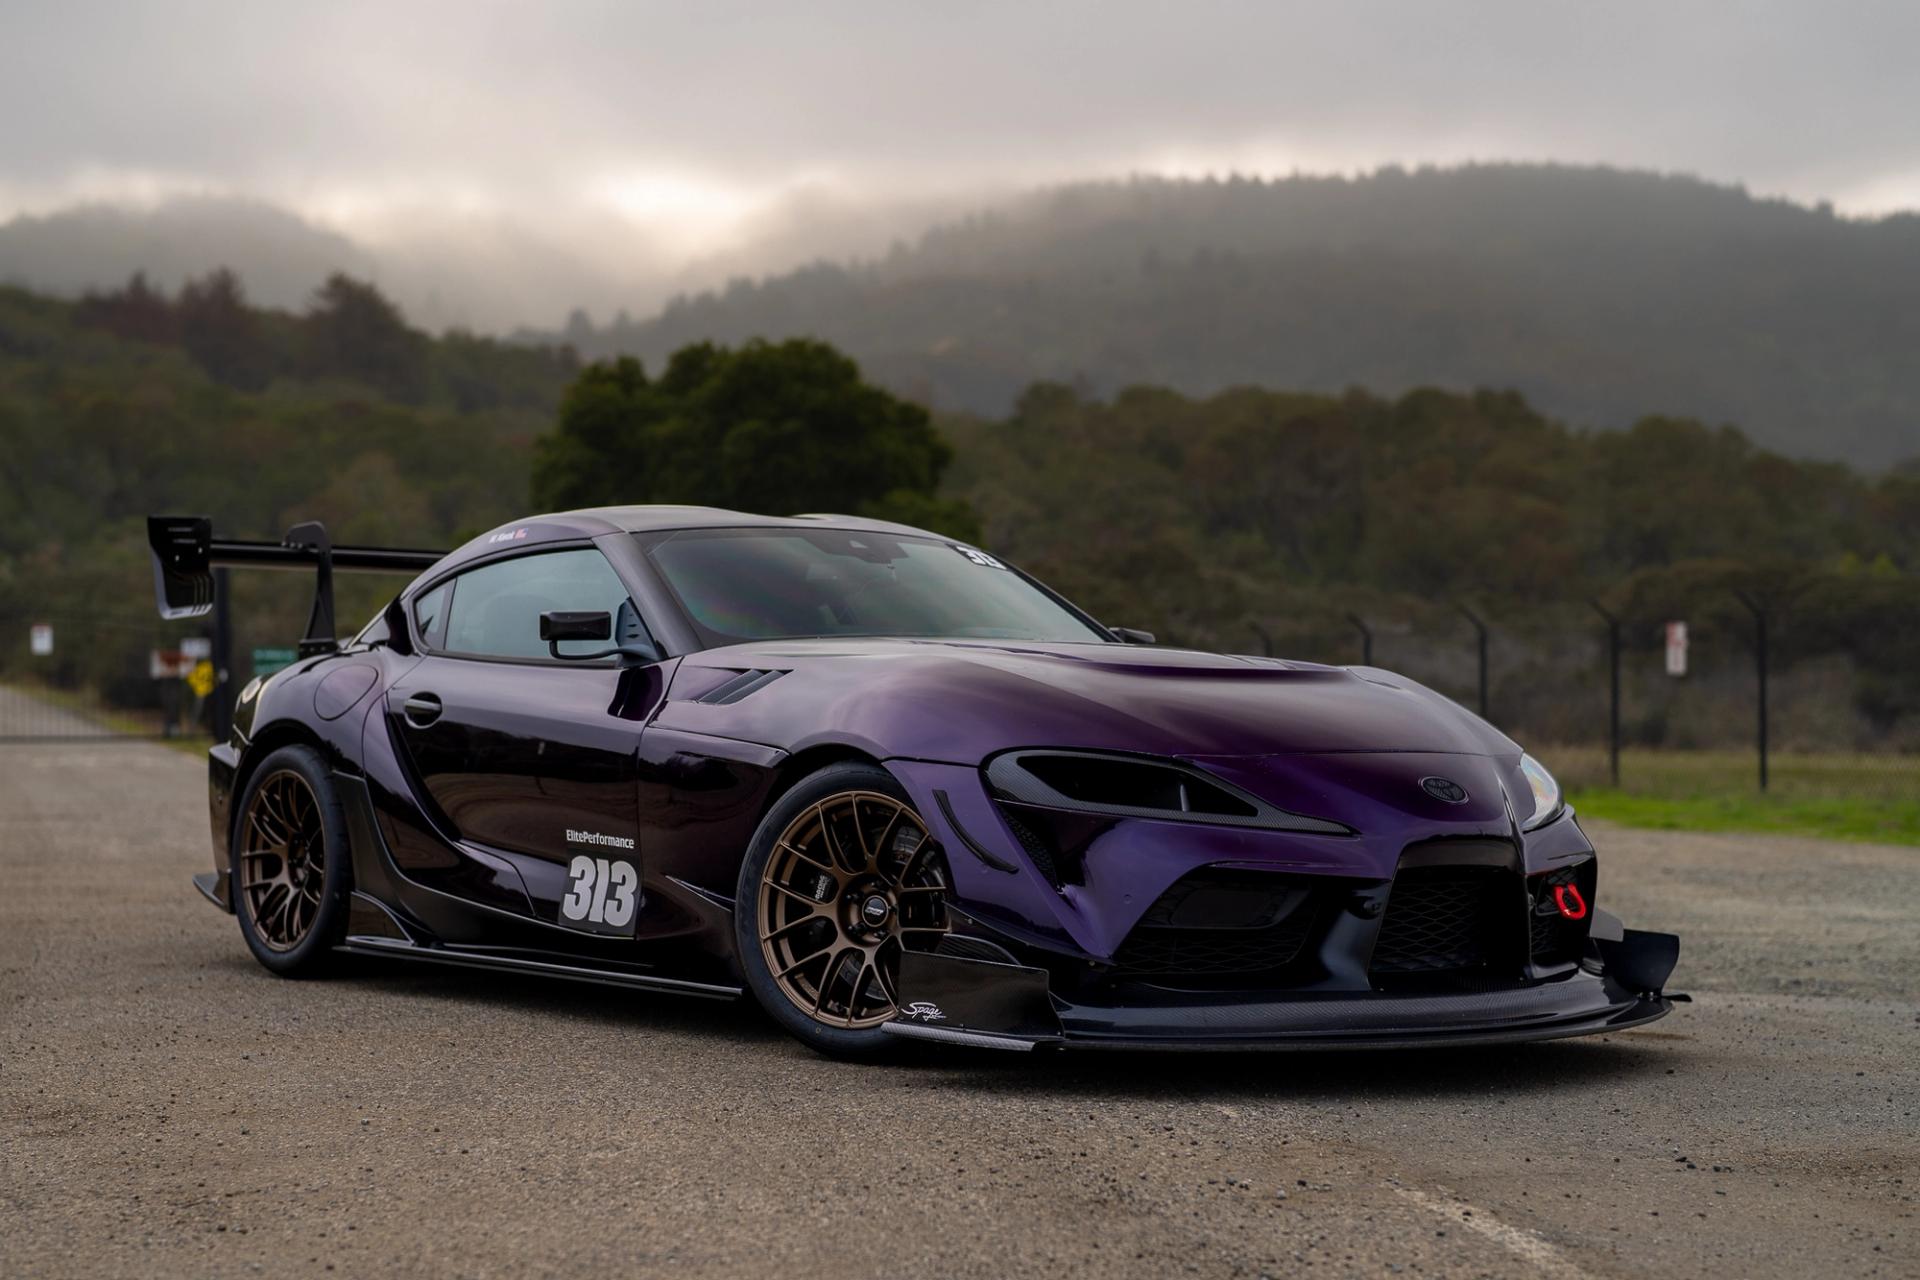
column 1567, row 898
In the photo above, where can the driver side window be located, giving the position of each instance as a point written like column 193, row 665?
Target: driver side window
column 495, row 611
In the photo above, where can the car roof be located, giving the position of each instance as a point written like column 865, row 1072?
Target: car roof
column 593, row 522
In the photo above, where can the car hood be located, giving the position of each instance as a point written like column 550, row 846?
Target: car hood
column 961, row 701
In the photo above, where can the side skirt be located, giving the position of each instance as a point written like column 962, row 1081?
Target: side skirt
column 510, row 962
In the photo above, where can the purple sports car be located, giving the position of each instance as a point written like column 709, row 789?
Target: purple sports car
column 893, row 788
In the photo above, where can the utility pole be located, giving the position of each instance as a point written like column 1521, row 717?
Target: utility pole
column 1760, row 672
column 1480, row 630
column 222, row 710
column 1366, row 639
column 1613, row 690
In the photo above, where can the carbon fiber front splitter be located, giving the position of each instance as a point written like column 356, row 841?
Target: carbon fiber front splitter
column 1005, row 1006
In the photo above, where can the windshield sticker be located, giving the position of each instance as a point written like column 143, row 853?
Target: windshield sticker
column 978, row 557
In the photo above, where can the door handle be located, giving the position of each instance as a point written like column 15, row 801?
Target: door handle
column 421, row 709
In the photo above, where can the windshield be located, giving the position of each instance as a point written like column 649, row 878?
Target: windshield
column 782, row 584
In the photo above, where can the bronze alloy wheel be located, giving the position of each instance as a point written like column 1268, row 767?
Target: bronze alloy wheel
column 282, row 861
column 852, row 882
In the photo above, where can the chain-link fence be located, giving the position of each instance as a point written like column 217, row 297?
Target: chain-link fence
column 1811, row 693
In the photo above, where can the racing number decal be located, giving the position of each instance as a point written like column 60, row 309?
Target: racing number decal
column 978, row 557
column 602, row 896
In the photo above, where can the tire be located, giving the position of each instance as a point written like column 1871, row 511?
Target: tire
column 840, row 867
column 291, row 863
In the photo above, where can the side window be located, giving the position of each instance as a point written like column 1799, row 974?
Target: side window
column 496, row 609
column 430, row 613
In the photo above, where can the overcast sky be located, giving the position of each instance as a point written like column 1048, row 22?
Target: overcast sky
column 690, row 120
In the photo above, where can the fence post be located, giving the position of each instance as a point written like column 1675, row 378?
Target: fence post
column 1613, row 690
column 222, row 710
column 1760, row 672
column 1480, row 630
column 1366, row 639
column 1266, row 640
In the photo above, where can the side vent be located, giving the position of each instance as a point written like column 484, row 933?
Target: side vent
column 740, row 686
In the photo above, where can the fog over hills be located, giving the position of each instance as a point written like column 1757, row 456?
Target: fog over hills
column 487, row 272
column 1603, row 295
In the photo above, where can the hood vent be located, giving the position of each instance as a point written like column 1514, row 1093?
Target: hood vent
column 731, row 691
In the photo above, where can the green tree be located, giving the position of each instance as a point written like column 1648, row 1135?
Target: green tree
column 355, row 332
column 773, row 428
column 221, row 332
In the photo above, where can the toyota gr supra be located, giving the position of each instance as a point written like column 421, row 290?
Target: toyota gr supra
column 888, row 786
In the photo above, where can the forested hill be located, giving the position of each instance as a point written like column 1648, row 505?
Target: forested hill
column 1601, row 295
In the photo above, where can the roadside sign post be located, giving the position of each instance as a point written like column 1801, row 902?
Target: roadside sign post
column 220, row 719
column 1613, row 689
column 1759, row 672
column 1676, row 649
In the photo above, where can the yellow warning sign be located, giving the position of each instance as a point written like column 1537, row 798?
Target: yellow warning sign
column 200, row 679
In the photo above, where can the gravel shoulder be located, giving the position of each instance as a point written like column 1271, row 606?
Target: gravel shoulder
column 167, row 1107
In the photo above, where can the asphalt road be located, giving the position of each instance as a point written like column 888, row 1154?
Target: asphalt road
column 167, row 1107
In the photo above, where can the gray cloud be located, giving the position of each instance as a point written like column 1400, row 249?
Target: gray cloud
column 674, row 133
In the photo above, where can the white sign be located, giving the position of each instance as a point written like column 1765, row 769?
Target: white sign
column 40, row 639
column 168, row 664
column 1676, row 648
column 196, row 647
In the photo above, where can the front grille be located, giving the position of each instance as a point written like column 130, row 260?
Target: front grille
column 1222, row 924
column 1441, row 919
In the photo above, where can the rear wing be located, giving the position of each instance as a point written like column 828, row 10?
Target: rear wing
column 185, row 554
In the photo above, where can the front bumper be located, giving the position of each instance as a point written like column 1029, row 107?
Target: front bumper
column 967, row 1001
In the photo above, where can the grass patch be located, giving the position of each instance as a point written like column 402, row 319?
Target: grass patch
column 1835, row 794
column 1886, row 820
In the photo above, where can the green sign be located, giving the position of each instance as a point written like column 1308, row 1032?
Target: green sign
column 268, row 661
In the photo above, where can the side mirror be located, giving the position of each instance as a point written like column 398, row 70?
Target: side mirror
column 577, row 624
column 572, row 624
column 1132, row 635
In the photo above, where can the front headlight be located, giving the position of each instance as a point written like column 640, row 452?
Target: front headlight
column 1548, row 803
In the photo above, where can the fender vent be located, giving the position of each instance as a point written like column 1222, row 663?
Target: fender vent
column 740, row 686
column 1037, row 848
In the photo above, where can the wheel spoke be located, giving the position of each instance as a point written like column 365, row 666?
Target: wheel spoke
column 814, row 905
column 886, row 986
column 263, row 822
column 835, row 853
column 808, row 857
column 275, row 807
column 883, row 845
column 834, row 964
column 912, row 859
column 859, row 985
column 807, row 959
column 788, row 927
column 859, row 833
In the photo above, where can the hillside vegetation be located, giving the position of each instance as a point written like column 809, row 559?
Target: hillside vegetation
column 1602, row 296
column 1226, row 521
column 137, row 402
